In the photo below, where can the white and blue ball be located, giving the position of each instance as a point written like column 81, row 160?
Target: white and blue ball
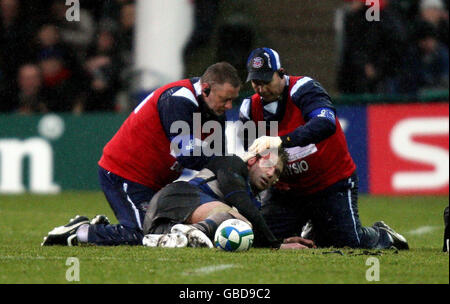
column 234, row 235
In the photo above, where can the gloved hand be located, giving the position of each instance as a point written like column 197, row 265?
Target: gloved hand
column 247, row 155
column 263, row 143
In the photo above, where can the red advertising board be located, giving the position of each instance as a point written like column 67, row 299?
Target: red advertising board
column 408, row 148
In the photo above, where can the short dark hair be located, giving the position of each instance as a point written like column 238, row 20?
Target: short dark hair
column 284, row 157
column 220, row 73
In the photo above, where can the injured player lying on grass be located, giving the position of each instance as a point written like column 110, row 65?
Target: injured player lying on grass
column 187, row 213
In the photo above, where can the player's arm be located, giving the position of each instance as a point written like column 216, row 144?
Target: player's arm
column 321, row 124
column 176, row 115
column 232, row 179
column 318, row 113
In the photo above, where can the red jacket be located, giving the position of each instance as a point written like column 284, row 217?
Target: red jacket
column 140, row 150
column 317, row 166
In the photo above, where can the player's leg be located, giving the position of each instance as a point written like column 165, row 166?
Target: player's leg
column 171, row 205
column 181, row 208
column 216, row 210
column 284, row 214
column 201, row 226
column 208, row 216
column 168, row 217
column 336, row 220
column 446, row 230
column 129, row 201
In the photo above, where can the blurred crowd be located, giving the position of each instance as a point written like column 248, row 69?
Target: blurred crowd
column 48, row 64
column 405, row 52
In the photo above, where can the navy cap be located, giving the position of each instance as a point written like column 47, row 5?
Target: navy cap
column 262, row 63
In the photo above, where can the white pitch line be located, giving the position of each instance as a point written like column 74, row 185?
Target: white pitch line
column 423, row 230
column 12, row 257
column 17, row 258
column 209, row 269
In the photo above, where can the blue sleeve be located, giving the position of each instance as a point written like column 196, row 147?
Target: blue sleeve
column 177, row 112
column 314, row 131
column 318, row 113
column 322, row 112
column 311, row 96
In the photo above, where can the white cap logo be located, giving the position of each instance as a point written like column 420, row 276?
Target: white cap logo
column 258, row 62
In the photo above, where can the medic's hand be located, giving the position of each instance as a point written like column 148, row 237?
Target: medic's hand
column 265, row 142
column 247, row 155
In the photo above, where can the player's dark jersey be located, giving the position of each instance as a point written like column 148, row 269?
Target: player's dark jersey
column 212, row 188
column 226, row 179
column 157, row 140
column 316, row 160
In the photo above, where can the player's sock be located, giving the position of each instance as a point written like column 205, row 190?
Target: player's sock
column 210, row 224
column 82, row 233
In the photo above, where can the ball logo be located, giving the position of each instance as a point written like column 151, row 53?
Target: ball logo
column 233, row 235
column 258, row 62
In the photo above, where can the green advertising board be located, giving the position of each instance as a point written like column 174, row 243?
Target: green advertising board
column 50, row 153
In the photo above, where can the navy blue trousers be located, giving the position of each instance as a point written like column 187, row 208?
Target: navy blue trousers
column 333, row 213
column 129, row 201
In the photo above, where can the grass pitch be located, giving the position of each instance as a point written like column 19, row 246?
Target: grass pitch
column 26, row 219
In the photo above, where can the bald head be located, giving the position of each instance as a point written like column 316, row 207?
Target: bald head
column 29, row 79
